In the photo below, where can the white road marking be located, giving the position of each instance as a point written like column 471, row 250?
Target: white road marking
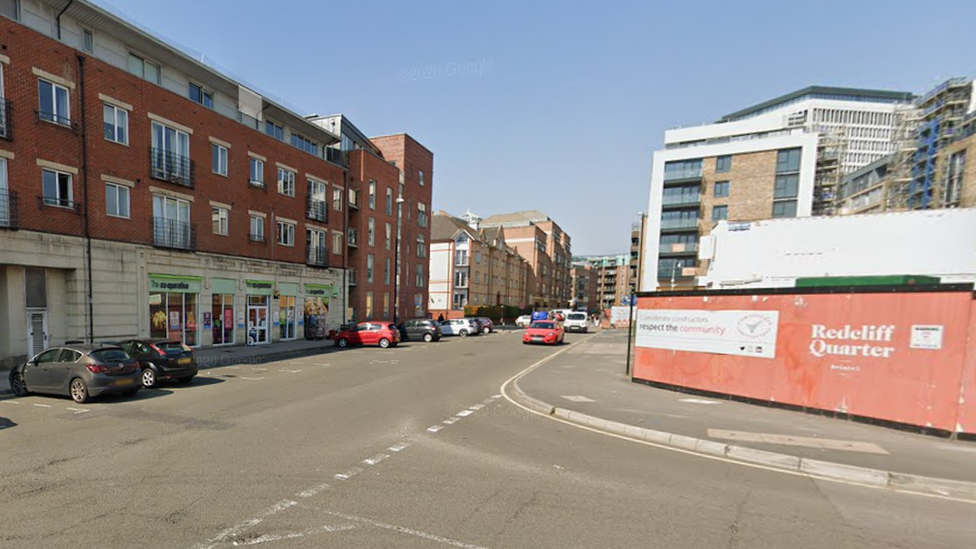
column 806, row 442
column 407, row 531
column 240, row 527
column 698, row 401
column 43, row 405
column 349, row 474
column 312, row 491
column 434, row 428
column 9, row 402
column 464, row 413
column 264, row 538
column 323, row 365
column 496, row 397
column 476, row 407
column 488, row 401
column 78, row 410
column 259, row 369
column 578, row 398
column 398, row 447
column 450, row 421
column 252, row 378
column 291, row 371
column 375, row 459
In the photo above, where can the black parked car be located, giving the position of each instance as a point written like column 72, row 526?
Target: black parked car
column 162, row 359
column 421, row 328
column 79, row 371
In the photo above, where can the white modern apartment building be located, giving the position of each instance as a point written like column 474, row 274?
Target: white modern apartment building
column 780, row 158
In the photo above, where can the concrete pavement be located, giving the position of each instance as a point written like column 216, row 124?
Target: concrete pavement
column 588, row 385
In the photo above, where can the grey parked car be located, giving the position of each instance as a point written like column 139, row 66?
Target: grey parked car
column 79, row 371
column 421, row 329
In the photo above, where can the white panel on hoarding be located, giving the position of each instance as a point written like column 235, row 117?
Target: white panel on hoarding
column 744, row 333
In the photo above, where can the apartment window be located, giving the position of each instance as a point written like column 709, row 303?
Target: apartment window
column 389, row 201
column 10, row 8
column 57, row 188
column 221, row 220
column 372, row 194
column 954, row 178
column 315, row 243
column 257, row 228
column 286, row 233
column 54, row 104
column 371, row 232
column 723, row 164
column 274, row 130
column 420, row 276
column 788, row 160
column 386, row 271
column 421, row 246
column 786, row 186
column 420, row 177
column 461, row 279
column 422, row 215
column 318, row 208
column 721, row 189
column 116, row 124
column 337, row 193
column 784, row 208
column 304, row 144
column 460, row 301
column 369, row 305
column 682, row 169
column 219, row 159
column 171, row 154
column 201, row 95
column 144, row 69
column 257, row 172
column 720, row 212
column 337, row 243
column 369, row 267
column 389, row 236
column 116, row 200
column 477, row 257
column 386, row 304
column 477, row 278
column 286, row 182
column 87, row 41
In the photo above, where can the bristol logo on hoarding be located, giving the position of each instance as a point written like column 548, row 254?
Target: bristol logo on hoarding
column 754, row 326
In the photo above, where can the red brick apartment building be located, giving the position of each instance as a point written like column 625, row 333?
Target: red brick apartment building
column 143, row 193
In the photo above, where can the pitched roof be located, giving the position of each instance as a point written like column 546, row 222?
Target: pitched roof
column 516, row 217
column 444, row 227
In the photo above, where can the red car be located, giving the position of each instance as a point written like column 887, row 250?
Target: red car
column 549, row 332
column 384, row 334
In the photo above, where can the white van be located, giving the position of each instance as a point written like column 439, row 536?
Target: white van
column 576, row 322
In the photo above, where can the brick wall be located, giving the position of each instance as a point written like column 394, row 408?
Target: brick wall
column 750, row 180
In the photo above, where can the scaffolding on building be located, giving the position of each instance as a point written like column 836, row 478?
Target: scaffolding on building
column 831, row 152
column 942, row 111
column 898, row 180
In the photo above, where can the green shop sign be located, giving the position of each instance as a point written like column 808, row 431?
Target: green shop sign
column 318, row 290
column 175, row 284
column 260, row 287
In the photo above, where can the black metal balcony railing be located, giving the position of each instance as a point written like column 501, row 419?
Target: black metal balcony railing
column 353, row 238
column 257, row 184
column 56, row 202
column 336, row 156
column 317, row 209
column 317, row 256
column 6, row 121
column 256, row 237
column 55, row 118
column 8, row 210
column 178, row 235
column 172, row 167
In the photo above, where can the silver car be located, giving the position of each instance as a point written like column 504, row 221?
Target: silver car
column 78, row 371
column 460, row 327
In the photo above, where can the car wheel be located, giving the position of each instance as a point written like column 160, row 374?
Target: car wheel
column 342, row 343
column 486, row 331
column 384, row 343
column 428, row 338
column 18, row 385
column 79, row 390
column 185, row 380
column 149, row 379
column 463, row 333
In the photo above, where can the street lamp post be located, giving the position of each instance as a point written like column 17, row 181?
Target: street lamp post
column 396, row 262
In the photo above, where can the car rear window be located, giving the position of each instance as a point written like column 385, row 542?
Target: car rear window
column 109, row 355
column 577, row 316
column 170, row 346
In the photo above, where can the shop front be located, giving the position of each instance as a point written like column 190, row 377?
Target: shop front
column 220, row 319
column 317, row 310
column 259, row 293
column 287, row 313
column 174, row 307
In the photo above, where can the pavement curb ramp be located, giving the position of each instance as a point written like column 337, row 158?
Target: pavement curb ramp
column 878, row 478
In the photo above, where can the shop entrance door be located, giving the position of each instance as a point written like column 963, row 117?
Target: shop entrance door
column 257, row 320
column 36, row 332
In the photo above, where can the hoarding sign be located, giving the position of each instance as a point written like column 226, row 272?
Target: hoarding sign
column 744, row 333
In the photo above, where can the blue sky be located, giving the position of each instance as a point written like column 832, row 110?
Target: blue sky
column 558, row 106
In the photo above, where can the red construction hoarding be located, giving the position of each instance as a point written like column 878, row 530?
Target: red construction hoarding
column 906, row 357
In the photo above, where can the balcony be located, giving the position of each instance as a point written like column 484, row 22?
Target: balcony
column 681, row 200
column 317, row 256
column 63, row 121
column 352, row 238
column 176, row 235
column 336, row 156
column 249, row 121
column 351, row 276
column 353, row 199
column 679, row 224
column 6, row 121
column 8, row 210
column 171, row 167
column 687, row 175
column 317, row 209
column 62, row 203
column 679, row 248
column 256, row 237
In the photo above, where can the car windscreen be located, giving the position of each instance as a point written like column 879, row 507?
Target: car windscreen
column 577, row 316
column 104, row 356
column 542, row 325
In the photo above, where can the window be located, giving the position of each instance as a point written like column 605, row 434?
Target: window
column 201, row 95
column 337, row 243
column 389, row 201
column 337, row 193
column 257, row 228
column 304, row 144
column 54, row 105
column 87, row 41
column 220, row 217
column 389, row 236
column 461, row 279
column 116, row 124
column 721, row 189
column 723, row 164
column 422, row 215
column 220, row 160
column 421, row 246
column 784, row 208
column 371, row 232
column 477, row 257
column 460, row 300
column 144, row 69
column 10, row 8
column 420, row 177
column 171, row 223
column 274, row 130
column 788, row 160
column 317, row 252
column 369, row 267
column 57, row 188
column 171, row 154
column 257, row 172
column 420, row 276
column 116, row 200
column 386, row 304
column 386, row 271
column 720, row 212
column 372, row 194
column 286, row 182
column 317, row 206
column 786, row 186
column 286, row 233
column 369, row 304
column 682, row 169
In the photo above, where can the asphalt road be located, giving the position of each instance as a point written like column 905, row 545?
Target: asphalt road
column 408, row 448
